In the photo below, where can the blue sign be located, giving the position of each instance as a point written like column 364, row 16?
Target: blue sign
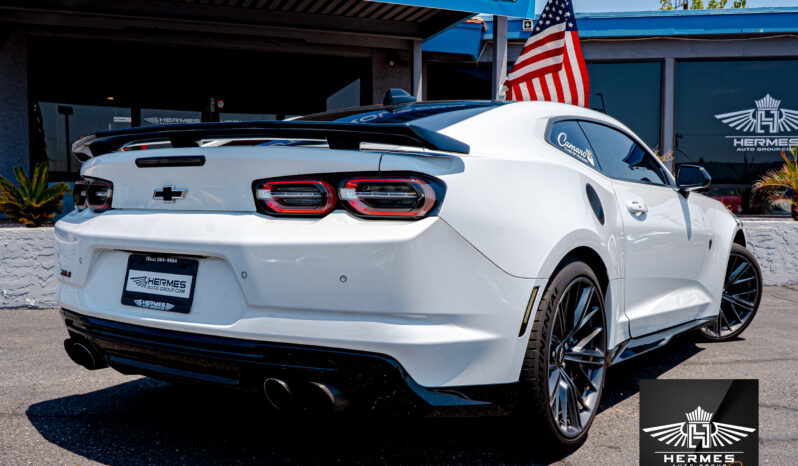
column 517, row 8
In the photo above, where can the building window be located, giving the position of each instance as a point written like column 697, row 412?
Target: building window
column 734, row 118
column 62, row 123
column 630, row 92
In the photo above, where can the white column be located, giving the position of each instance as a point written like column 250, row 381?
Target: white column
column 669, row 109
column 499, row 71
column 418, row 69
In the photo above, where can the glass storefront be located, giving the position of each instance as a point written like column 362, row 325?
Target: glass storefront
column 59, row 119
column 630, row 92
column 734, row 118
column 131, row 84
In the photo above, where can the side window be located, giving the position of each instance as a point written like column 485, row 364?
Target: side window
column 569, row 138
column 620, row 157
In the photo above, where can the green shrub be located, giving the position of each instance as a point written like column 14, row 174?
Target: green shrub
column 32, row 202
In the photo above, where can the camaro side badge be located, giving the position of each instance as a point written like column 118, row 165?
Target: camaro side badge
column 169, row 193
column 699, row 432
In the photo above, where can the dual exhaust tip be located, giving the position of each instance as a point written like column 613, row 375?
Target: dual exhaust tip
column 82, row 353
column 313, row 396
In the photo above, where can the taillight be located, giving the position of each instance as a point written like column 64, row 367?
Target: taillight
column 388, row 197
column 79, row 194
column 296, row 197
column 99, row 194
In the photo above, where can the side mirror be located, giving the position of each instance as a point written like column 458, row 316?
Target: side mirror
column 692, row 177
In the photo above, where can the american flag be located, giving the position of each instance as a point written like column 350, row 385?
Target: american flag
column 551, row 66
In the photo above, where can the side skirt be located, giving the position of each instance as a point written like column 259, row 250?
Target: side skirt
column 643, row 344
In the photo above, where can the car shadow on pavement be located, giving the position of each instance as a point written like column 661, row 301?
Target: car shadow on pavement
column 150, row 422
column 624, row 379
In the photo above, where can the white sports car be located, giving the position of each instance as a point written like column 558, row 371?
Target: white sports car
column 441, row 255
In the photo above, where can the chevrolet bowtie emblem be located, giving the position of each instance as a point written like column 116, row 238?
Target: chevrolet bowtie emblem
column 170, row 194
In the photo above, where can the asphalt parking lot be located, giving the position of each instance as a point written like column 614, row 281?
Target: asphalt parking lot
column 55, row 412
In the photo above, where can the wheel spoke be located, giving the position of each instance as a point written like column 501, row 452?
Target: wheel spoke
column 721, row 319
column 554, row 382
column 734, row 310
column 574, row 400
column 584, row 357
column 574, row 392
column 587, row 378
column 747, row 305
column 738, row 272
column 741, row 280
column 562, row 395
column 561, row 321
column 582, row 343
column 586, row 319
column 581, row 306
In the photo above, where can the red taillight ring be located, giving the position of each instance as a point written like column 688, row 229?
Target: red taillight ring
column 350, row 195
column 264, row 193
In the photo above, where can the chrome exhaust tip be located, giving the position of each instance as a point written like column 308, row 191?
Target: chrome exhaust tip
column 279, row 394
column 81, row 353
column 326, row 398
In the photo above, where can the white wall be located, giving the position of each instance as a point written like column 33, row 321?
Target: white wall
column 775, row 245
column 27, row 268
column 28, row 272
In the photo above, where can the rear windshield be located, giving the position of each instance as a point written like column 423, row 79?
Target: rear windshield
column 433, row 116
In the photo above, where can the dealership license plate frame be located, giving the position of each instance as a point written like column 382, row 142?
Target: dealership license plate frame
column 160, row 264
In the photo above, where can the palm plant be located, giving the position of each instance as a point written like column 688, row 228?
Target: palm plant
column 33, row 202
column 778, row 183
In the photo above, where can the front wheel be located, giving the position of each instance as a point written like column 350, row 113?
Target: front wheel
column 563, row 370
column 742, row 292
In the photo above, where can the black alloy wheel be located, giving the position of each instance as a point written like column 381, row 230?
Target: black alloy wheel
column 742, row 293
column 566, row 359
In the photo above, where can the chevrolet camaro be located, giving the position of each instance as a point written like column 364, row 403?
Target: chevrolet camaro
column 434, row 256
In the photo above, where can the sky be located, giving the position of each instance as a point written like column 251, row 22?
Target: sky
column 584, row 6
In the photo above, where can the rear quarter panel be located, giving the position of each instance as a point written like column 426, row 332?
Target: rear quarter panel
column 722, row 226
column 525, row 216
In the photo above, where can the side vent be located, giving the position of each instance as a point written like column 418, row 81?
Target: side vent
column 595, row 203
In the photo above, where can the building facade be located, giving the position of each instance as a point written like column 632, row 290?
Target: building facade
column 71, row 67
column 714, row 87
column 707, row 87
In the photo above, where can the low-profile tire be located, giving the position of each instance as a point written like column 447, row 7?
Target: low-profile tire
column 565, row 362
column 742, row 293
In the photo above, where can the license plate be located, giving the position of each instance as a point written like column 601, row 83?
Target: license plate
column 161, row 283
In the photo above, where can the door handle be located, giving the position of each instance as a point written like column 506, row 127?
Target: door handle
column 636, row 208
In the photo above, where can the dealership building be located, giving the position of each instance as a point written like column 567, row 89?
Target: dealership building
column 712, row 87
column 709, row 87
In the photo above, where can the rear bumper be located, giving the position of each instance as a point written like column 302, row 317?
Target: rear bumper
column 416, row 292
column 371, row 381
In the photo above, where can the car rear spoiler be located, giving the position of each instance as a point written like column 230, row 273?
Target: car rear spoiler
column 338, row 135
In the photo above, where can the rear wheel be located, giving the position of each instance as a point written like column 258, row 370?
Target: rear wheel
column 563, row 371
column 742, row 292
